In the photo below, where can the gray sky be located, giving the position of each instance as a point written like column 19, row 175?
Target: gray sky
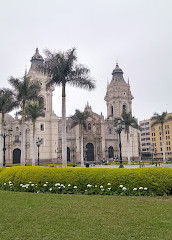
column 136, row 33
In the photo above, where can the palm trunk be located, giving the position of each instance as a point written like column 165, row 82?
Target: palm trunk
column 128, row 148
column 23, row 136
column 163, row 146
column 34, row 143
column 82, row 150
column 64, row 149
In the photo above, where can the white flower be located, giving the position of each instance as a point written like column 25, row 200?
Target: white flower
column 140, row 188
column 109, row 188
column 145, row 188
column 59, row 187
column 38, row 192
column 10, row 182
column 57, row 184
column 46, row 182
column 50, row 189
column 109, row 184
column 32, row 184
column 85, row 190
column 124, row 188
column 21, row 184
column 69, row 185
column 5, row 184
column 45, row 185
column 101, row 186
column 134, row 189
column 75, row 187
column 102, row 189
column 121, row 186
column 89, row 185
column 95, row 185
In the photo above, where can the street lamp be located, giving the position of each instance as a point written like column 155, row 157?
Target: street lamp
column 4, row 135
column 38, row 143
column 119, row 126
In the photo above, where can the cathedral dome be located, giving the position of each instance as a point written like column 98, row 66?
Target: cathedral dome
column 36, row 61
column 117, row 70
column 37, row 56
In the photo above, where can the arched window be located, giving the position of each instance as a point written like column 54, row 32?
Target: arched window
column 124, row 107
column 111, row 152
column 89, row 126
column 111, row 109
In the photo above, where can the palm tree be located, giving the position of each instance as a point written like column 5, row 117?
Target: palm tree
column 62, row 68
column 161, row 119
column 7, row 104
column 25, row 90
column 129, row 121
column 79, row 118
column 34, row 110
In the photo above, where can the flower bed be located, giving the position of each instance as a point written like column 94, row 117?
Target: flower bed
column 147, row 181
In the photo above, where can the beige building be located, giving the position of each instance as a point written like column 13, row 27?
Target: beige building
column 145, row 139
column 100, row 140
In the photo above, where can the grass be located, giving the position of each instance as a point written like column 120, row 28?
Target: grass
column 25, row 216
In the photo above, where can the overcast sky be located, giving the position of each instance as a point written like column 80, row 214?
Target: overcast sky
column 136, row 33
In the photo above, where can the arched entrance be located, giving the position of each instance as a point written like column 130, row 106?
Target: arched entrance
column 16, row 156
column 89, row 152
column 68, row 154
column 110, row 152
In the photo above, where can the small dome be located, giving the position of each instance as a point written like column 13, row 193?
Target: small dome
column 117, row 70
column 37, row 56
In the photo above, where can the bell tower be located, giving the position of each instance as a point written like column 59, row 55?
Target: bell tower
column 36, row 75
column 118, row 95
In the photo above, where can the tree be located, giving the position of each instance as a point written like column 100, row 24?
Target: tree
column 25, row 90
column 79, row 118
column 129, row 121
column 34, row 110
column 161, row 119
column 7, row 104
column 62, row 69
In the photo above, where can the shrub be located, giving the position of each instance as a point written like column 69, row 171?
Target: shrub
column 138, row 181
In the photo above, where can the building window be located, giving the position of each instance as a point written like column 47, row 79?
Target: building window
column 17, row 128
column 111, row 110
column 16, row 138
column 147, row 133
column 110, row 130
column 142, row 134
column 89, row 126
column 124, row 107
column 42, row 126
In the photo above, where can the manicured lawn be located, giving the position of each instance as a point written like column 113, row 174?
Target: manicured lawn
column 81, row 217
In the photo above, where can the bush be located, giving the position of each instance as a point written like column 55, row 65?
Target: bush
column 138, row 181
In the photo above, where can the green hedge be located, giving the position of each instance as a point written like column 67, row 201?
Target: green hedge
column 157, row 181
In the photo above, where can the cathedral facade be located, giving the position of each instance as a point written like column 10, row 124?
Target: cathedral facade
column 100, row 140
